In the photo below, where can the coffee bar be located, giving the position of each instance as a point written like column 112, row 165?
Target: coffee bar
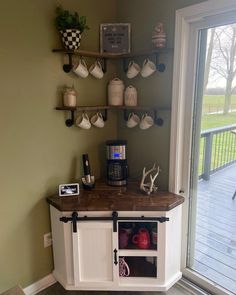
column 113, row 235
column 116, row 233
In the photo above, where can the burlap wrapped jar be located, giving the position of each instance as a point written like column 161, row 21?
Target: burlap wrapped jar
column 116, row 92
column 130, row 96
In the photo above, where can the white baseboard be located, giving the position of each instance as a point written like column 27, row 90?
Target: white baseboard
column 40, row 285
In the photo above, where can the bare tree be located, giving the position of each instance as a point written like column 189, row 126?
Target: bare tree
column 209, row 57
column 223, row 61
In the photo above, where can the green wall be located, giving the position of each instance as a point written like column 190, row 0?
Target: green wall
column 152, row 145
column 38, row 151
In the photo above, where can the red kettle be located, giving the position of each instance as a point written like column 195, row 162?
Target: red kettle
column 142, row 239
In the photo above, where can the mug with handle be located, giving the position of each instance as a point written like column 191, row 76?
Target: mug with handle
column 142, row 239
column 97, row 120
column 146, row 122
column 83, row 121
column 148, row 68
column 80, row 69
column 133, row 120
column 96, row 70
column 124, row 270
column 133, row 70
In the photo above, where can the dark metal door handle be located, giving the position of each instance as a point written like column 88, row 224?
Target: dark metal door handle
column 115, row 257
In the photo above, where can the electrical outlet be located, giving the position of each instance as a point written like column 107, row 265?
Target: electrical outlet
column 47, row 240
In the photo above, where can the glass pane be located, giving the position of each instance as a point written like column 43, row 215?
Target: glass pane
column 212, row 243
column 138, row 235
column 130, row 266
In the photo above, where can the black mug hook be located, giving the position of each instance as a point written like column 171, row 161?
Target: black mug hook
column 68, row 67
column 70, row 122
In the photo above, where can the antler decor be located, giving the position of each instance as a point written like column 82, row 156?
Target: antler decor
column 149, row 187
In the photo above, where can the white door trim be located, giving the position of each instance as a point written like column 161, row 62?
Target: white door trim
column 189, row 21
column 184, row 19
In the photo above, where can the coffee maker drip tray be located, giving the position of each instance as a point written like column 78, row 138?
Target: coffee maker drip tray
column 117, row 182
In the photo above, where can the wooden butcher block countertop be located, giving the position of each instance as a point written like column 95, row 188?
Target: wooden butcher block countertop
column 108, row 198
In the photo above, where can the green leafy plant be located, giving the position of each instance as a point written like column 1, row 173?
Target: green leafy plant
column 67, row 20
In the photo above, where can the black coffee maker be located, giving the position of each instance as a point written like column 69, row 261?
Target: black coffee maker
column 117, row 167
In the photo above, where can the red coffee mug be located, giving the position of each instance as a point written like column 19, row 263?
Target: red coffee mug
column 142, row 239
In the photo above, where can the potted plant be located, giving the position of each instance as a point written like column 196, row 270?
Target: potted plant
column 71, row 26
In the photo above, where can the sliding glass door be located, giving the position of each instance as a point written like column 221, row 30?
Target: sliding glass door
column 203, row 142
column 212, row 218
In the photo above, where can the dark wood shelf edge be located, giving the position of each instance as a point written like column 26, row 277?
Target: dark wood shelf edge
column 115, row 56
column 105, row 107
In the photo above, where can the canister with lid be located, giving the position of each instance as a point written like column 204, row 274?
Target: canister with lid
column 69, row 97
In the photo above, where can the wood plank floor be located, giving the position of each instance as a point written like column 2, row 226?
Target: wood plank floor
column 215, row 246
column 57, row 289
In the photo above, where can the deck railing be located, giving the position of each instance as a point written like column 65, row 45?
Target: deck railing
column 217, row 150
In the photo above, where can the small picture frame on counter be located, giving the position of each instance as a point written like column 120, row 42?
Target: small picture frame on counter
column 115, row 38
column 69, row 189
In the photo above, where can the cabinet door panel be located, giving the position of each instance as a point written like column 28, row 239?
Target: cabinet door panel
column 95, row 251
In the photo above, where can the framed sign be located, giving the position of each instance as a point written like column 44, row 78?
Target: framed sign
column 69, row 189
column 115, row 38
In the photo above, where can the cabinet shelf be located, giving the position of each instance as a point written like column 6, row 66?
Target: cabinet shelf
column 105, row 56
column 138, row 252
column 126, row 109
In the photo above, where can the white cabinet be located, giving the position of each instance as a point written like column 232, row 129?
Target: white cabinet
column 87, row 251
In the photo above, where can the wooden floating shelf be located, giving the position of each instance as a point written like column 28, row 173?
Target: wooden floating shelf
column 106, row 107
column 105, row 56
column 126, row 109
column 115, row 56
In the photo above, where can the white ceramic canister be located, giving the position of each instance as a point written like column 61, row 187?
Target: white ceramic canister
column 116, row 92
column 130, row 96
column 69, row 97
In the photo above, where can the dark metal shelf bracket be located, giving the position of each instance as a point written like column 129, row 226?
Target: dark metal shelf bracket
column 70, row 122
column 125, row 64
column 104, row 65
column 105, row 116
column 68, row 67
column 160, row 67
column 158, row 121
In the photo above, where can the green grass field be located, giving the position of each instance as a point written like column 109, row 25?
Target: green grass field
column 224, row 145
column 215, row 103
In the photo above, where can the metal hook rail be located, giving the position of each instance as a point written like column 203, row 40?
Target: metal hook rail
column 75, row 218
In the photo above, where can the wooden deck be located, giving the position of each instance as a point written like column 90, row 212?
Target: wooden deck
column 215, row 248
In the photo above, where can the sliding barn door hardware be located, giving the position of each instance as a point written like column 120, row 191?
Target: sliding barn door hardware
column 74, row 219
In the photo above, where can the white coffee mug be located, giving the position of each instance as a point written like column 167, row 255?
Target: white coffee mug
column 96, row 70
column 83, row 121
column 97, row 120
column 146, row 122
column 133, row 70
column 80, row 69
column 148, row 68
column 133, row 120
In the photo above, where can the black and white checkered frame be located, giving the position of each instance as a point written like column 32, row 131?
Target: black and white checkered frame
column 71, row 38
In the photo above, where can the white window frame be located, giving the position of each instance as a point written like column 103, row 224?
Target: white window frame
column 189, row 21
